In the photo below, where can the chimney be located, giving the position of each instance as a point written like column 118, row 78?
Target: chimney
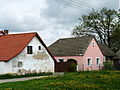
column 6, row 32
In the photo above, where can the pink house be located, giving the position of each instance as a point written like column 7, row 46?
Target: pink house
column 85, row 50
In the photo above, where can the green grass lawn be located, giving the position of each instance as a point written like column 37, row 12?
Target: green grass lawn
column 87, row 80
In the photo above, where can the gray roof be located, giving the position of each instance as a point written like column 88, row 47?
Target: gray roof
column 106, row 50
column 118, row 54
column 76, row 46
column 70, row 46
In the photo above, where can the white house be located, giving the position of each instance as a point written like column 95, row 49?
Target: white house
column 24, row 53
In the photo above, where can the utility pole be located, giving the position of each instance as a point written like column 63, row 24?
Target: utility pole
column 119, row 5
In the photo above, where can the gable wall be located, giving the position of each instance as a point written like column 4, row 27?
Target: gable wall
column 31, row 62
column 93, row 52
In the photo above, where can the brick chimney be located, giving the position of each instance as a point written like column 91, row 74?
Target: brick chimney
column 4, row 32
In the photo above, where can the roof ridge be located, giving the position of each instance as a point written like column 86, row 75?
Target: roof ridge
column 118, row 52
column 74, row 45
column 75, row 37
column 19, row 34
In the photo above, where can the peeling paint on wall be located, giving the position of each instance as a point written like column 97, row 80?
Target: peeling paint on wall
column 41, row 56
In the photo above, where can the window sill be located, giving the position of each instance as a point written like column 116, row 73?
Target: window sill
column 89, row 65
column 40, row 50
column 97, row 65
column 29, row 55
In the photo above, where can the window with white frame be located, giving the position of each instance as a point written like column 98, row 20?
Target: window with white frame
column 89, row 61
column 61, row 60
column 97, row 61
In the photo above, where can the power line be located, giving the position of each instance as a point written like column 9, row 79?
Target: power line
column 67, row 4
column 74, row 5
column 86, row 4
column 78, row 4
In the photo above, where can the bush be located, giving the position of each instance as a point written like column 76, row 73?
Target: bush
column 108, row 66
column 72, row 67
column 11, row 75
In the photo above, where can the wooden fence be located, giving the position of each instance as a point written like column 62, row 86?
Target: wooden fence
column 62, row 67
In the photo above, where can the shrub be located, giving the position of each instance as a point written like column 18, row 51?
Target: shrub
column 108, row 66
column 72, row 67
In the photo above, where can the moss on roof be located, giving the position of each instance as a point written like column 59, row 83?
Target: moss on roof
column 106, row 50
column 76, row 46
column 70, row 46
column 118, row 54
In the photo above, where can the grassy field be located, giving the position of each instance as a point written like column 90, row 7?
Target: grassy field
column 89, row 80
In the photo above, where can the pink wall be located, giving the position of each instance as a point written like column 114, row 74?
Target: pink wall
column 92, row 52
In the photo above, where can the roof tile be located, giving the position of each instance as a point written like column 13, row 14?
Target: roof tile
column 12, row 44
column 70, row 46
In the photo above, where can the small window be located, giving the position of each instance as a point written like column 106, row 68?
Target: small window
column 89, row 62
column 14, row 63
column 93, row 44
column 20, row 64
column 39, row 47
column 29, row 50
column 61, row 60
column 97, row 61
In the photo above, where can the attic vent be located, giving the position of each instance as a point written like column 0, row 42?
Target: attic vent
column 93, row 44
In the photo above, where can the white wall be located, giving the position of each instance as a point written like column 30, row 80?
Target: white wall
column 31, row 62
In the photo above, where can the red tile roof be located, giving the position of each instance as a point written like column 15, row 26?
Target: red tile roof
column 13, row 44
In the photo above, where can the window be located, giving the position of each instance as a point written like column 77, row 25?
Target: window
column 89, row 62
column 29, row 50
column 61, row 60
column 39, row 47
column 97, row 61
column 14, row 63
column 20, row 64
column 93, row 44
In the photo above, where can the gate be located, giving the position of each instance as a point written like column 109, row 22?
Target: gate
column 65, row 66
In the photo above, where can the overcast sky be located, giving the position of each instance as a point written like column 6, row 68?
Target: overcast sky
column 50, row 18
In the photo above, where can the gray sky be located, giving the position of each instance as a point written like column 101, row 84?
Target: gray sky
column 50, row 18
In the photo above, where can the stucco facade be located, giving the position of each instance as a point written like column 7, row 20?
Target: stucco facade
column 93, row 52
column 29, row 63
